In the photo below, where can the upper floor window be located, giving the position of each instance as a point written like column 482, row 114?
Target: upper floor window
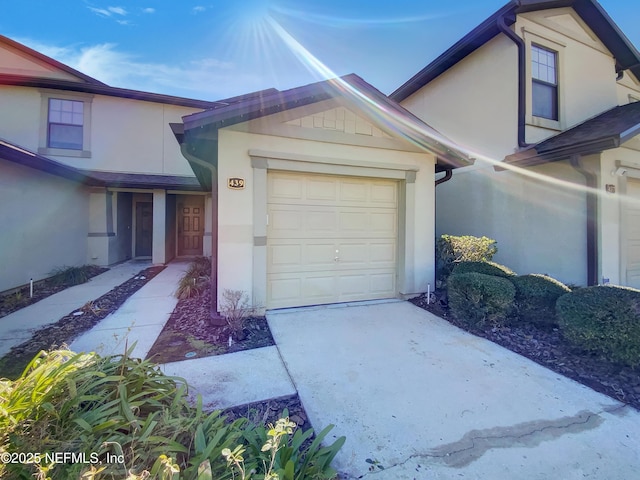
column 65, row 124
column 544, row 74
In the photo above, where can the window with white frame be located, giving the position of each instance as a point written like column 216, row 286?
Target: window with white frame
column 65, row 125
column 544, row 76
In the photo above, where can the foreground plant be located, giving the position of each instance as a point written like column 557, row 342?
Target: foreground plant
column 129, row 420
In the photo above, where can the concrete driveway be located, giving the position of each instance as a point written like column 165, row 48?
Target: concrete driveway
column 418, row 398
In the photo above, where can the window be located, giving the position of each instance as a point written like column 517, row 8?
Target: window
column 544, row 74
column 65, row 124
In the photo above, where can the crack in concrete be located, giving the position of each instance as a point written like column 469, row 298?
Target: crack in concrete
column 475, row 443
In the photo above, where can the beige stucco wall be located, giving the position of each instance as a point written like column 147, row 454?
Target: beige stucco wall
column 125, row 135
column 612, row 209
column 44, row 222
column 539, row 223
column 628, row 89
column 474, row 103
column 242, row 213
column 586, row 69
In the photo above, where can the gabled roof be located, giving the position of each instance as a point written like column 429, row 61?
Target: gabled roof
column 603, row 132
column 590, row 11
column 21, row 156
column 87, row 84
column 370, row 100
column 49, row 61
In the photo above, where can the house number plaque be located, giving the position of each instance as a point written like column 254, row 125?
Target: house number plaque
column 235, row 183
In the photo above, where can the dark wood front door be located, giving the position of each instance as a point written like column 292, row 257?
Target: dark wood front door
column 190, row 226
column 144, row 229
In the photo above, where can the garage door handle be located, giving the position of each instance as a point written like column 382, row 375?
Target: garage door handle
column 337, row 259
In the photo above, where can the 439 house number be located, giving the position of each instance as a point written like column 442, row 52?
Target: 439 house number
column 235, row 183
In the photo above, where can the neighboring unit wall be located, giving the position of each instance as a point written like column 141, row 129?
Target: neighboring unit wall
column 585, row 68
column 628, row 89
column 44, row 224
column 474, row 103
column 612, row 211
column 125, row 135
column 539, row 222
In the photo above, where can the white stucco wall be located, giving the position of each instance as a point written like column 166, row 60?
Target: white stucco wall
column 239, row 221
column 44, row 222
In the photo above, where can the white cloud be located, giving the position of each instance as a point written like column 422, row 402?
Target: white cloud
column 198, row 9
column 205, row 78
column 149, row 10
column 118, row 10
column 109, row 12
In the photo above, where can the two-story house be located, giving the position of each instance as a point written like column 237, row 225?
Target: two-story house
column 90, row 173
column 543, row 92
column 319, row 194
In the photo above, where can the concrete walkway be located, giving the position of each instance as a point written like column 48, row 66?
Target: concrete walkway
column 18, row 326
column 418, row 398
column 139, row 320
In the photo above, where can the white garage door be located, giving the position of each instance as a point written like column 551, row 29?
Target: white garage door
column 633, row 234
column 330, row 239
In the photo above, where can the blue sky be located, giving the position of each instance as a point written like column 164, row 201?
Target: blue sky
column 216, row 49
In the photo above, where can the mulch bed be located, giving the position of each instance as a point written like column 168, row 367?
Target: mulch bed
column 19, row 298
column 70, row 326
column 548, row 348
column 189, row 333
column 269, row 411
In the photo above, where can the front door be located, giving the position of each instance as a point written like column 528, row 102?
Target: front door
column 190, row 225
column 144, row 229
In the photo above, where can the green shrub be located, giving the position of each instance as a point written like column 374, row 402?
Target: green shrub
column 603, row 320
column 478, row 299
column 452, row 249
column 486, row 268
column 84, row 403
column 536, row 297
column 70, row 276
column 196, row 279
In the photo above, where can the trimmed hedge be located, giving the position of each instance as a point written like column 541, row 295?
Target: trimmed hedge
column 486, row 268
column 603, row 320
column 536, row 297
column 476, row 298
column 452, row 249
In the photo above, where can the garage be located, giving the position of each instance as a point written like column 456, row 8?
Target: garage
column 633, row 234
column 330, row 239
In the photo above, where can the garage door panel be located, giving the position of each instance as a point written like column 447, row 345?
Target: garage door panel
column 285, row 188
column 340, row 234
column 285, row 255
column 324, row 189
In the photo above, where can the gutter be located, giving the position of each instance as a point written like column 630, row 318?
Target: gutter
column 448, row 173
column 522, row 72
column 592, row 219
column 214, row 315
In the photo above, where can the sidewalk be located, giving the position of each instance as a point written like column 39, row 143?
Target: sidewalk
column 18, row 326
column 223, row 380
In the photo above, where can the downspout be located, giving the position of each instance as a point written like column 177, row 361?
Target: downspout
column 592, row 219
column 216, row 318
column 448, row 173
column 522, row 72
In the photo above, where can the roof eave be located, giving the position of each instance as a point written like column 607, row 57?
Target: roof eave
column 535, row 157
